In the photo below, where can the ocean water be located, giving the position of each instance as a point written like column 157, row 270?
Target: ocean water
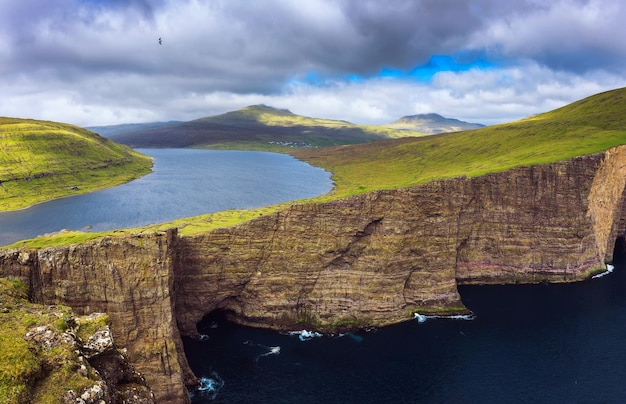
column 184, row 182
column 525, row 344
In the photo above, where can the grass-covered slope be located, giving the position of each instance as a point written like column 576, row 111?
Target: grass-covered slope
column 42, row 160
column 585, row 127
column 591, row 125
column 259, row 127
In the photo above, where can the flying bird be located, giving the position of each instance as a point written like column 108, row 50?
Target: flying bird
column 160, row 42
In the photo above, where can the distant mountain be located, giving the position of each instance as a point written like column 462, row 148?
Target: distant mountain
column 431, row 124
column 112, row 131
column 258, row 126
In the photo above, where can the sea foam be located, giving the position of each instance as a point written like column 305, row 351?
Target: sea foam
column 209, row 386
column 305, row 335
column 609, row 269
column 421, row 318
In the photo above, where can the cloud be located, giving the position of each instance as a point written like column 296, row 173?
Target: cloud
column 98, row 62
column 575, row 36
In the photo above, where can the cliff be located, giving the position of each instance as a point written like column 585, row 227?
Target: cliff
column 367, row 260
column 132, row 280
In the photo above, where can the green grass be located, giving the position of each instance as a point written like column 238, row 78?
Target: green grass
column 588, row 126
column 317, row 132
column 585, row 127
column 186, row 226
column 272, row 117
column 29, row 373
column 42, row 160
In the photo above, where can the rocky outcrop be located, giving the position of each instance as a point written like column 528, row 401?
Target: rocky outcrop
column 368, row 260
column 129, row 278
column 51, row 355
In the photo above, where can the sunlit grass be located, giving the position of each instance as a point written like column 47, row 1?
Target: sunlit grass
column 586, row 127
column 41, row 160
column 591, row 125
column 29, row 373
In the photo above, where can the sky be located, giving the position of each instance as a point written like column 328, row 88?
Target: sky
column 97, row 62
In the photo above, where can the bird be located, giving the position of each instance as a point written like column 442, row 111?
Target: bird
column 160, row 42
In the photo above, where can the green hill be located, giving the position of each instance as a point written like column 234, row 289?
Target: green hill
column 259, row 127
column 588, row 126
column 42, row 160
column 584, row 127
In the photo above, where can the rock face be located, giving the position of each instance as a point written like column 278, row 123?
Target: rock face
column 372, row 259
column 130, row 279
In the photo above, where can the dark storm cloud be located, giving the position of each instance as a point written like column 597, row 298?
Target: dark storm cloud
column 248, row 43
column 103, row 55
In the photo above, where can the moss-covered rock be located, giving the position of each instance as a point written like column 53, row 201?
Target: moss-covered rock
column 49, row 355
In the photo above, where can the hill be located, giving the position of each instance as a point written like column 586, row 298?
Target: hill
column 258, row 127
column 593, row 124
column 112, row 131
column 431, row 124
column 41, row 160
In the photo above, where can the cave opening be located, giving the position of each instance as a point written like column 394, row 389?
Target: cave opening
column 212, row 319
column 619, row 251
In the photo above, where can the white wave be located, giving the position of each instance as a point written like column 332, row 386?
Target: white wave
column 609, row 269
column 204, row 337
column 421, row 318
column 305, row 335
column 273, row 350
column 210, row 386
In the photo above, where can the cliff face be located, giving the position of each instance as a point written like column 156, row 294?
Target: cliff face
column 376, row 258
column 372, row 259
column 132, row 280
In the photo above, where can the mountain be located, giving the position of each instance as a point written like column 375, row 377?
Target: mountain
column 42, row 160
column 431, row 124
column 258, row 126
column 112, row 131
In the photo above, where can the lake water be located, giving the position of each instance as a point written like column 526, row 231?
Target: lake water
column 526, row 344
column 184, row 182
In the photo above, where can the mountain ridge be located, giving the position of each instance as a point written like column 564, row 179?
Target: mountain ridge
column 273, row 121
column 432, row 123
column 258, row 127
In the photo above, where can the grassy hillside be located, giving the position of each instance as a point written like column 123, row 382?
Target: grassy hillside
column 588, row 126
column 259, row 127
column 42, row 160
column 591, row 125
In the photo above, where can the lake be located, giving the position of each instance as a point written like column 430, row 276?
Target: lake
column 526, row 344
column 184, row 182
